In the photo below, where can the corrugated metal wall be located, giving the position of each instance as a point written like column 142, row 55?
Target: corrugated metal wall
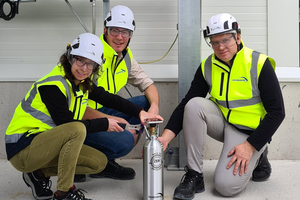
column 31, row 43
column 251, row 16
column 36, row 37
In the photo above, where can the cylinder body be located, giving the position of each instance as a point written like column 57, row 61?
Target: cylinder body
column 153, row 169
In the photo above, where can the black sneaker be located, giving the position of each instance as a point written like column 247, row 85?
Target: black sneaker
column 72, row 194
column 40, row 186
column 263, row 170
column 79, row 178
column 115, row 171
column 191, row 183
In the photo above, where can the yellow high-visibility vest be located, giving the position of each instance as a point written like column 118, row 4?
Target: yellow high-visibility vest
column 235, row 89
column 31, row 115
column 114, row 73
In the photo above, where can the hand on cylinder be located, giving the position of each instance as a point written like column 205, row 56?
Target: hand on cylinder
column 166, row 137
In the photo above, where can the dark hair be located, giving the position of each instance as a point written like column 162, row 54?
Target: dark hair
column 65, row 64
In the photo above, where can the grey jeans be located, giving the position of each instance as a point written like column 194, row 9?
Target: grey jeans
column 201, row 117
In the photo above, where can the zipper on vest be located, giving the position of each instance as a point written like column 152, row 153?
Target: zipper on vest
column 117, row 65
column 115, row 61
column 222, row 79
column 227, row 93
column 221, row 85
column 228, row 114
column 74, row 108
column 78, row 99
column 79, row 110
column 107, row 78
column 221, row 67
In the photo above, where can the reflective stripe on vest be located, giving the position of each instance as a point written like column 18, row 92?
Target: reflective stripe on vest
column 26, row 104
column 235, row 89
column 32, row 117
column 27, row 108
column 238, row 103
column 128, row 64
column 127, row 60
column 112, row 81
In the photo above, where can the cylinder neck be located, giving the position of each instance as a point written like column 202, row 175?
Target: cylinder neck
column 152, row 131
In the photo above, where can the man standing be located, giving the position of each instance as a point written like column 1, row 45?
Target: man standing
column 119, row 68
column 244, row 110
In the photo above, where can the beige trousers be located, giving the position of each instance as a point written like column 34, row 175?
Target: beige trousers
column 203, row 117
column 60, row 152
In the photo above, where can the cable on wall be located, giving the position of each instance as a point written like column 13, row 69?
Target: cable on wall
column 164, row 55
column 14, row 9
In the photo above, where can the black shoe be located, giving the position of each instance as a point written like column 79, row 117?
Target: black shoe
column 79, row 178
column 115, row 171
column 72, row 194
column 263, row 170
column 192, row 183
column 40, row 186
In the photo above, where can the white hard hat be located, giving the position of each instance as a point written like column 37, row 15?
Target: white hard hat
column 87, row 45
column 220, row 24
column 120, row 16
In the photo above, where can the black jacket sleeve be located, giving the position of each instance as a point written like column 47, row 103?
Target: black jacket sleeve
column 114, row 101
column 57, row 105
column 271, row 97
column 198, row 88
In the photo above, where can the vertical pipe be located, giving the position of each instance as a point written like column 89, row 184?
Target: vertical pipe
column 94, row 17
column 189, row 26
column 106, row 8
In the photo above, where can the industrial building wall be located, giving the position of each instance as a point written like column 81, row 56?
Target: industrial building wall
column 252, row 17
column 31, row 43
column 38, row 35
column 35, row 38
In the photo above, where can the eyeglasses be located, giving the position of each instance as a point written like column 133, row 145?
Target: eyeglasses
column 124, row 33
column 79, row 62
column 225, row 42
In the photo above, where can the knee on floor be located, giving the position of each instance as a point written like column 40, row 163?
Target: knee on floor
column 227, row 189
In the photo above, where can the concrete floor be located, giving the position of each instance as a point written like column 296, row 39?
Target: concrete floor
column 284, row 183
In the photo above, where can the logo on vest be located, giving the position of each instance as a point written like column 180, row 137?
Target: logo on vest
column 84, row 101
column 241, row 79
column 121, row 71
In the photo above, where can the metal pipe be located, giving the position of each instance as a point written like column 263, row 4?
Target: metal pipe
column 105, row 8
column 189, row 21
column 72, row 9
column 189, row 24
column 94, row 17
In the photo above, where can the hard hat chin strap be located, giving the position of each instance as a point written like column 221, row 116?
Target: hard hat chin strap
column 237, row 45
